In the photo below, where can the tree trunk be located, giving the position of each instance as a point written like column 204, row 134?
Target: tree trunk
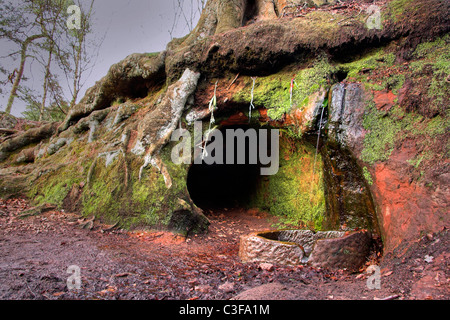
column 79, row 53
column 77, row 76
column 23, row 57
column 16, row 83
column 46, row 80
column 219, row 16
column 230, row 14
column 49, row 61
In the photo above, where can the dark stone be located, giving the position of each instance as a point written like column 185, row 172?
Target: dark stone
column 346, row 115
column 186, row 222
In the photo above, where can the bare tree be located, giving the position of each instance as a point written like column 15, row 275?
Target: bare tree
column 55, row 110
column 38, row 28
column 50, row 19
column 23, row 56
column 78, row 56
column 33, row 25
column 188, row 12
column 18, row 25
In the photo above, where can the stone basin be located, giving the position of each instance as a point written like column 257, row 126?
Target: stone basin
column 329, row 249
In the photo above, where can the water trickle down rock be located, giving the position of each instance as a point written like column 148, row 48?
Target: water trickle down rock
column 348, row 198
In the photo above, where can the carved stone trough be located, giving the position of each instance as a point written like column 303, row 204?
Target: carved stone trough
column 329, row 249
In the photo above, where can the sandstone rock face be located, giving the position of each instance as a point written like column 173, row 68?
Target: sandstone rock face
column 408, row 209
column 405, row 207
column 349, row 198
column 330, row 249
column 129, row 78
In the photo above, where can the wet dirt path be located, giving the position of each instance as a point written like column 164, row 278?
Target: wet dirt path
column 36, row 252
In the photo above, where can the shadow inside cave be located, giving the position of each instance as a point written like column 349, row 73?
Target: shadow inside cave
column 215, row 186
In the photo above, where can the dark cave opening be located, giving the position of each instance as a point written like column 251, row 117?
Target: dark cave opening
column 222, row 186
column 215, row 186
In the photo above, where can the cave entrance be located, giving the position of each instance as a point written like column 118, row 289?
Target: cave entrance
column 216, row 186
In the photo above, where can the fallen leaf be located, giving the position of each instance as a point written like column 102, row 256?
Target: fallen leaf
column 57, row 294
column 121, row 275
column 387, row 274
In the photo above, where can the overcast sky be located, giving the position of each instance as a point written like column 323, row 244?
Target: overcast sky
column 131, row 26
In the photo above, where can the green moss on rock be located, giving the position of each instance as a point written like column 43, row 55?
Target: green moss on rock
column 367, row 176
column 56, row 180
column 382, row 134
column 436, row 56
column 112, row 192
column 396, row 8
column 273, row 92
column 295, row 193
column 385, row 130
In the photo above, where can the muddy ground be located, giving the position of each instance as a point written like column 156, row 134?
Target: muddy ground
column 36, row 251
